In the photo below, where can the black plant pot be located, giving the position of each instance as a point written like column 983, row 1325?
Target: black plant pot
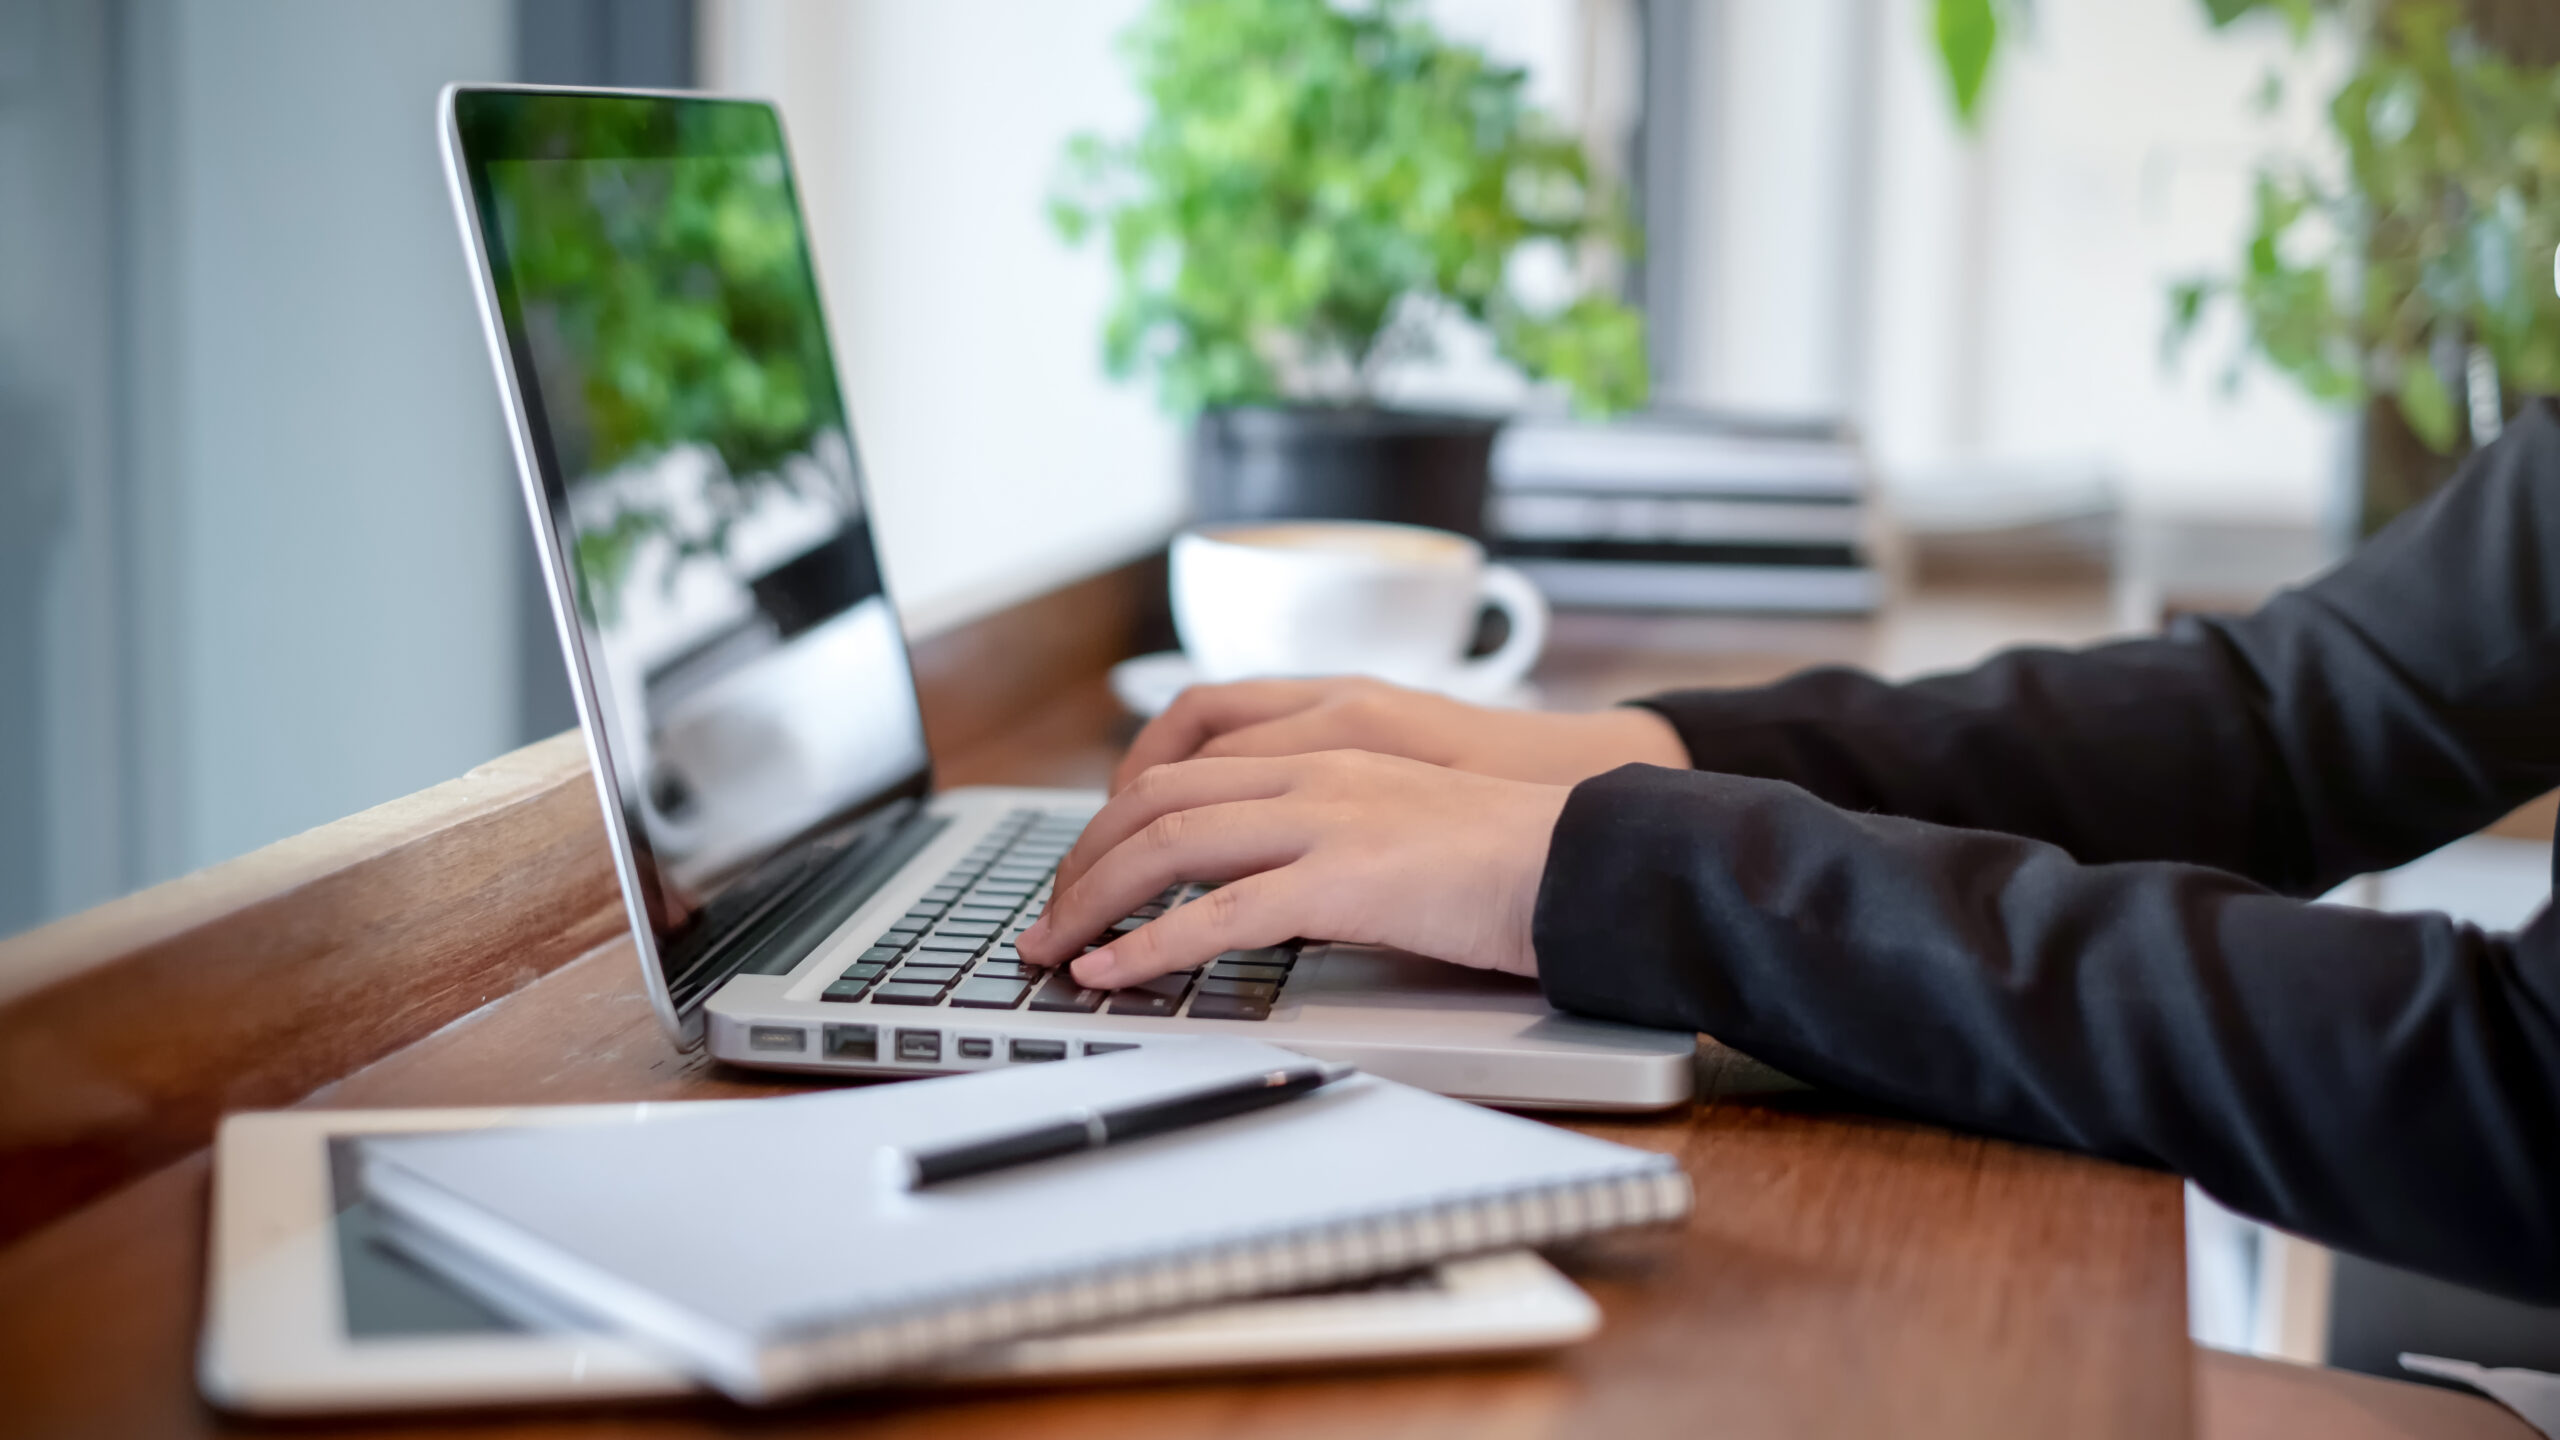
column 1342, row 463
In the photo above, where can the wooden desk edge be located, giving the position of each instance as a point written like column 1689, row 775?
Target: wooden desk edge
column 126, row 1031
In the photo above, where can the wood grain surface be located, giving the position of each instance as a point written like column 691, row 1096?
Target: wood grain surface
column 127, row 1031
column 1845, row 1273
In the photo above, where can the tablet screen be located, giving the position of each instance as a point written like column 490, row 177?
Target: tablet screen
column 382, row 1294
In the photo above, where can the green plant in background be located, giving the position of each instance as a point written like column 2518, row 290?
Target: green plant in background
column 2426, row 265
column 2420, row 271
column 1968, row 36
column 1309, row 172
column 668, row 304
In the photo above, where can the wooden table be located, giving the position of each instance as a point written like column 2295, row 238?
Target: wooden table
column 1843, row 1273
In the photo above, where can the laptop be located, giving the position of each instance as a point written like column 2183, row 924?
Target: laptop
column 801, row 895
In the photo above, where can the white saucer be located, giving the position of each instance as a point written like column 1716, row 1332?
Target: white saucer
column 1148, row 683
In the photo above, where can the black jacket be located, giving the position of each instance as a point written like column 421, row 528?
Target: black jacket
column 2062, row 897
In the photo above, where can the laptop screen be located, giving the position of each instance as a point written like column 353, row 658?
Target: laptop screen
column 742, row 669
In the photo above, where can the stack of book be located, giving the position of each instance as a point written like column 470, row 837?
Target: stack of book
column 1682, row 512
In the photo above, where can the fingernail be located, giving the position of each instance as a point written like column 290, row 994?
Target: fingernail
column 1094, row 971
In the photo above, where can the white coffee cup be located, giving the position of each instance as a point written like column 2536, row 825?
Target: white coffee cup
column 1350, row 597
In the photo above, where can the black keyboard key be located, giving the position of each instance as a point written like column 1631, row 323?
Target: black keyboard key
column 1008, row 969
column 1233, row 970
column 1160, row 996
column 993, row 917
column 928, row 971
column 942, row 894
column 1124, row 926
column 847, row 989
column 907, row 992
column 989, row 992
column 954, row 945
column 1264, row 990
column 865, row 972
column 981, row 929
column 1144, row 1002
column 1207, row 1006
column 879, row 953
column 1061, row 992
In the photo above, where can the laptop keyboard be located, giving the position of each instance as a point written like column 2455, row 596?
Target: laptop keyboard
column 955, row 947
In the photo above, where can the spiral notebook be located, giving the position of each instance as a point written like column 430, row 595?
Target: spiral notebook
column 765, row 1248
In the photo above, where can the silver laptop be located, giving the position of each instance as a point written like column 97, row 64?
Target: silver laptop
column 801, row 895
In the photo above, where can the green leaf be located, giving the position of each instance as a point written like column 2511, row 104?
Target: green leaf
column 2187, row 301
column 1968, row 35
column 2299, row 15
column 2428, row 406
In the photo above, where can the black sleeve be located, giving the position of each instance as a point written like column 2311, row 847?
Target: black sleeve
column 2387, row 1084
column 2404, row 700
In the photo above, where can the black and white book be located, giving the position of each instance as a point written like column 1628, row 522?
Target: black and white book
column 1672, row 511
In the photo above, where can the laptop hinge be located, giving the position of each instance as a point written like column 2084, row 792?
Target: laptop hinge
column 784, row 935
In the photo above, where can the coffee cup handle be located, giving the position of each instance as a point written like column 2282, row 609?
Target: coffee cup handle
column 1490, row 677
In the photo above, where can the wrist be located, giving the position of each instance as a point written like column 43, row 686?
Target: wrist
column 1637, row 736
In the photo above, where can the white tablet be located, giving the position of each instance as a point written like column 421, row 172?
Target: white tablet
column 304, row 1314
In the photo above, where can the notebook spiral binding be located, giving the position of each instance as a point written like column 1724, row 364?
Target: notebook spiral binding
column 829, row 1353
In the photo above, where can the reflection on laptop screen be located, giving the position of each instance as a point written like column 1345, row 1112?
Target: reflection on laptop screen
column 748, row 673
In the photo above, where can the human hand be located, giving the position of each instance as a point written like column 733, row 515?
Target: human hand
column 1296, row 717
column 1343, row 845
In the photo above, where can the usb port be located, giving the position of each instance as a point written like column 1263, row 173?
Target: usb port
column 1106, row 1047
column 919, row 1044
column 853, row 1042
column 789, row 1039
column 1020, row 1051
column 977, row 1047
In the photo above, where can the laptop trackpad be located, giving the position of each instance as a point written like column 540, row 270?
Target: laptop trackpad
column 1373, row 976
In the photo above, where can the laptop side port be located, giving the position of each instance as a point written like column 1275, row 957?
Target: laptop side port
column 977, row 1047
column 853, row 1042
column 920, row 1045
column 777, row 1039
column 1022, row 1051
column 1107, row 1047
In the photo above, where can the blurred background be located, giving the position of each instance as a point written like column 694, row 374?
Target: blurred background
column 2059, row 275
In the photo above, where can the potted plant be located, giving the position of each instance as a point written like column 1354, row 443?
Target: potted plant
column 1317, row 187
column 2416, row 281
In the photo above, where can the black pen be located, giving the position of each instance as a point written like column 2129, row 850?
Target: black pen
column 1091, row 1129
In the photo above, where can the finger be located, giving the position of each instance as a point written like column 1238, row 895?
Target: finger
column 1213, row 842
column 1316, row 728
column 1166, row 788
column 1261, row 909
column 1205, row 711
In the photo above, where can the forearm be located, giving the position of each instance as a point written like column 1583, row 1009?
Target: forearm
column 2399, row 702
column 2390, row 1084
column 2142, row 750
